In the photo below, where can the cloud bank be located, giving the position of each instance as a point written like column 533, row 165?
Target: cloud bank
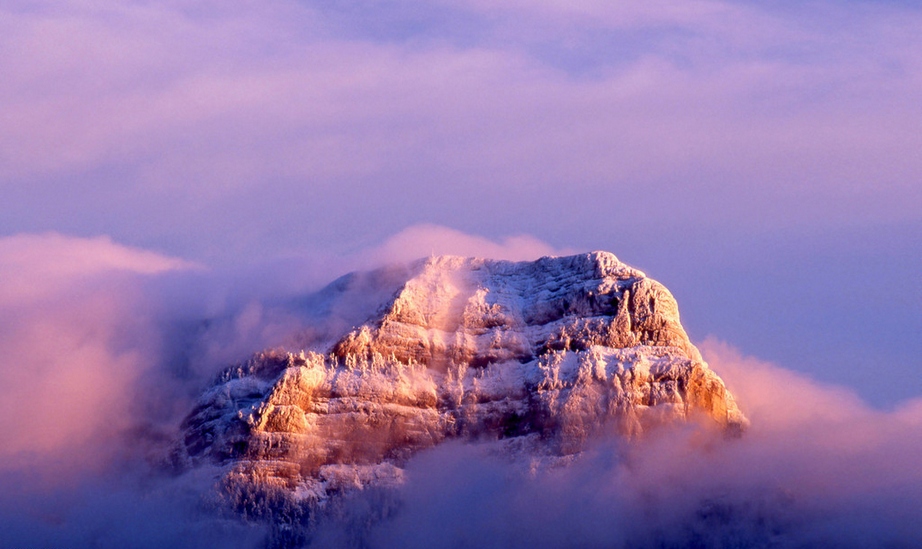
column 76, row 333
column 817, row 467
column 339, row 123
column 714, row 133
column 104, row 347
column 427, row 239
column 89, row 325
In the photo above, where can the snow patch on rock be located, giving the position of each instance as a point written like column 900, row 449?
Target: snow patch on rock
column 541, row 355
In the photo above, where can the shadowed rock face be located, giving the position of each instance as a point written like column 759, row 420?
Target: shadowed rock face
column 538, row 354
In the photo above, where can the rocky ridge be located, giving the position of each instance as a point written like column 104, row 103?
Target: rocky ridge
column 539, row 355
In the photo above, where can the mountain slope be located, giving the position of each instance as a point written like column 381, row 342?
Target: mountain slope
column 540, row 355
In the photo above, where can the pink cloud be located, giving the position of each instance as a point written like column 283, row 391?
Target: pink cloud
column 425, row 240
column 261, row 99
column 77, row 343
column 75, row 335
column 37, row 266
column 811, row 435
column 777, row 398
column 817, row 467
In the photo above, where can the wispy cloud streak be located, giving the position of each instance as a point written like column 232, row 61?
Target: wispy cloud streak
column 232, row 113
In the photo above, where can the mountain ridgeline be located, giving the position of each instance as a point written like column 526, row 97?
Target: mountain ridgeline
column 538, row 356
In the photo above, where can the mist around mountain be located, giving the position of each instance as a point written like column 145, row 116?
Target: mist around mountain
column 104, row 350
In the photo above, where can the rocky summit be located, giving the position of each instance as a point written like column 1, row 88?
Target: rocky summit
column 540, row 356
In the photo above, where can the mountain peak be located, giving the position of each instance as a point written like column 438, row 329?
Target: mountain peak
column 540, row 354
column 474, row 311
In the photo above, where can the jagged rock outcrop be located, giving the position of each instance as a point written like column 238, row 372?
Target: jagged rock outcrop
column 540, row 355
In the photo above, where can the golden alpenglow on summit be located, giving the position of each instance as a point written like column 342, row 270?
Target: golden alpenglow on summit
column 538, row 358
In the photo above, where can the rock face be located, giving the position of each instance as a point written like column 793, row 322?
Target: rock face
column 540, row 355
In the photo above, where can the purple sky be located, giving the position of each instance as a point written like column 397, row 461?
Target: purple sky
column 164, row 162
column 762, row 159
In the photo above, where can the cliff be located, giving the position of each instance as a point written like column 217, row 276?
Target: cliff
column 540, row 355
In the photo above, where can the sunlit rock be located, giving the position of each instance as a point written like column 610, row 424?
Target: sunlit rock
column 542, row 355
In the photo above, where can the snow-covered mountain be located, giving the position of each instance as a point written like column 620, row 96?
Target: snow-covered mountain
column 538, row 355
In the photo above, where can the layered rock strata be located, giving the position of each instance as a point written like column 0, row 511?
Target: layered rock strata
column 541, row 355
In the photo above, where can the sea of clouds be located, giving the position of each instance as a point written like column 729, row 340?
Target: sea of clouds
column 104, row 348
